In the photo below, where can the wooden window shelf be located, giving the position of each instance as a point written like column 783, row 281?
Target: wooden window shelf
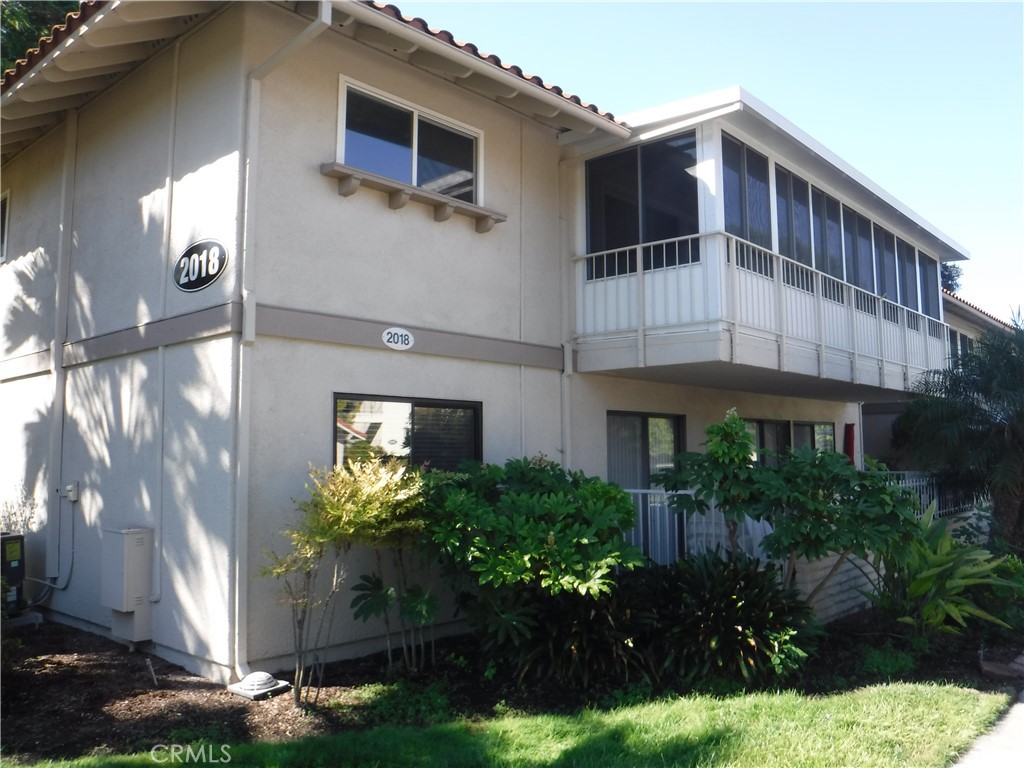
column 351, row 179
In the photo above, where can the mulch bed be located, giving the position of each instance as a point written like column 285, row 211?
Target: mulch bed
column 68, row 693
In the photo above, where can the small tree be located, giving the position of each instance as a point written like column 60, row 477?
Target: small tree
column 820, row 504
column 724, row 475
column 368, row 503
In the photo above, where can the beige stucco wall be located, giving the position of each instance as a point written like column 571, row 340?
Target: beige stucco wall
column 593, row 396
column 148, row 431
column 293, row 428
column 355, row 256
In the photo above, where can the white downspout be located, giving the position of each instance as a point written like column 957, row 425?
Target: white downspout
column 60, row 334
column 322, row 22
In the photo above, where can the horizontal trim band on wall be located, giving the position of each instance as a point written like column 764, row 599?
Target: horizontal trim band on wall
column 334, row 329
column 201, row 324
column 32, row 364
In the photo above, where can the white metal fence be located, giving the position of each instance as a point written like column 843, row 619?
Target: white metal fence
column 665, row 536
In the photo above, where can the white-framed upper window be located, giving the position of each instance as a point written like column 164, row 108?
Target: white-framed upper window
column 5, row 212
column 400, row 141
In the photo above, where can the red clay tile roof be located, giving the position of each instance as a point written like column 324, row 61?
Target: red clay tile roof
column 58, row 33
column 447, row 37
column 87, row 8
column 975, row 307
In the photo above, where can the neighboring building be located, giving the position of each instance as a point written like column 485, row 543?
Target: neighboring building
column 248, row 237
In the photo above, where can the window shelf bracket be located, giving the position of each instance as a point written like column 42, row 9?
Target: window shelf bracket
column 351, row 179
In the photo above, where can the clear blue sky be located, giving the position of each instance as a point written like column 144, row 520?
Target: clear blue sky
column 925, row 98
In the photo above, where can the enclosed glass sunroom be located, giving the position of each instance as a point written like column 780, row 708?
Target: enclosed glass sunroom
column 724, row 247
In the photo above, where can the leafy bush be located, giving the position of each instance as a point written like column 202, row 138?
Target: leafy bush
column 578, row 639
column 820, row 504
column 534, row 549
column 1004, row 600
column 930, row 589
column 532, row 523
column 727, row 619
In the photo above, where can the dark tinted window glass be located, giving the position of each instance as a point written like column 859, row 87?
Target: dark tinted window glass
column 732, row 169
column 801, row 221
column 885, row 263
column 437, row 435
column 669, row 189
column 929, row 285
column 445, row 161
column 865, row 269
column 443, row 436
column 818, row 230
column 378, row 137
column 783, row 212
column 613, row 206
column 759, row 222
column 833, row 238
column 850, row 244
column 908, row 274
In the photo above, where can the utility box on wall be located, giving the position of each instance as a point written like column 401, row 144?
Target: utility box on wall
column 125, row 582
column 12, row 567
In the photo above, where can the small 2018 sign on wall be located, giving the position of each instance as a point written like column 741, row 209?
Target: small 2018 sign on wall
column 397, row 338
column 199, row 265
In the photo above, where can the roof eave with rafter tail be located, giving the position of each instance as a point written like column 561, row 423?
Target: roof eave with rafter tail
column 102, row 41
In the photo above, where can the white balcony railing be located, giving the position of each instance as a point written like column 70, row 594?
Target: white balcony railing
column 717, row 281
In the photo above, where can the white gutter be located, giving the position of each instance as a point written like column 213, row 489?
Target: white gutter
column 427, row 42
column 240, row 619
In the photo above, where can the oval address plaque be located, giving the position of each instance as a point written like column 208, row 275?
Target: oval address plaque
column 397, row 338
column 199, row 265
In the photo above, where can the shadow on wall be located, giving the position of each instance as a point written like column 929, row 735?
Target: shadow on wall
column 149, row 438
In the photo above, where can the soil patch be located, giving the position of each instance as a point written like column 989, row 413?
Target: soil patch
column 68, row 693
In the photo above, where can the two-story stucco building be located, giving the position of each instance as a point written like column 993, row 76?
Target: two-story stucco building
column 243, row 238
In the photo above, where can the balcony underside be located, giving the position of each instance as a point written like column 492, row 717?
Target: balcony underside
column 756, row 361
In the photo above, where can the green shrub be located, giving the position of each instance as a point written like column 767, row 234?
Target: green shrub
column 531, row 523
column 727, row 620
column 1004, row 600
column 578, row 640
column 373, row 503
column 933, row 587
column 820, row 504
column 534, row 549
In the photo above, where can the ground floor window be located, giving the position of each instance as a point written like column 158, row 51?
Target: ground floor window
column 639, row 446
column 437, row 434
column 773, row 437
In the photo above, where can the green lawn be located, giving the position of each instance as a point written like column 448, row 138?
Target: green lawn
column 900, row 724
